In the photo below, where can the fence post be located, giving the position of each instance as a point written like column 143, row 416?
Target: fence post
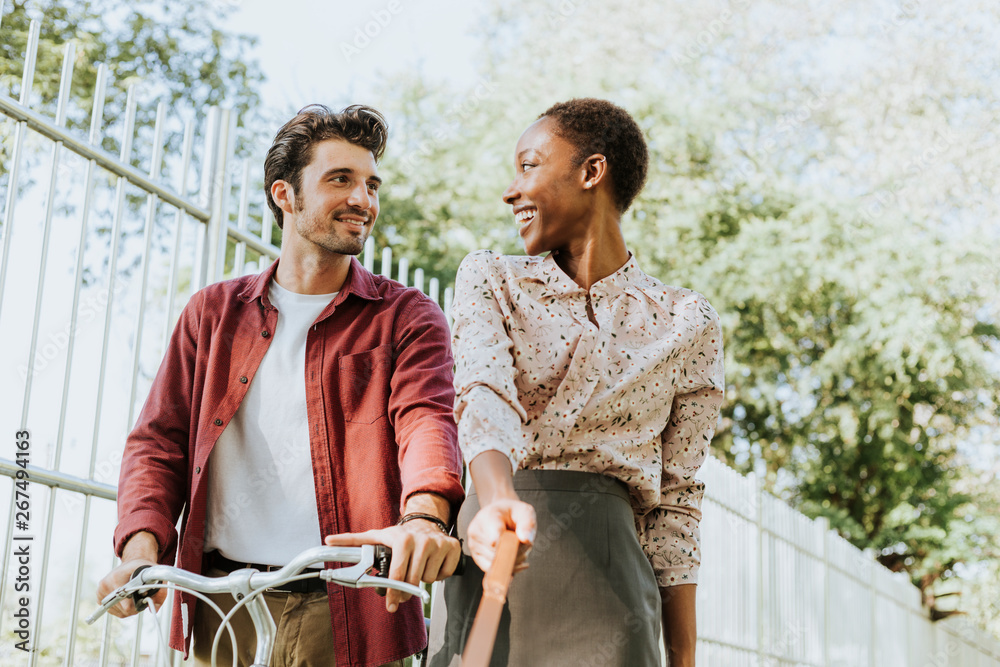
column 214, row 194
column 824, row 524
column 220, row 195
column 404, row 271
column 21, row 129
column 368, row 258
column 873, row 589
column 65, row 80
column 757, row 479
column 200, row 269
column 387, row 262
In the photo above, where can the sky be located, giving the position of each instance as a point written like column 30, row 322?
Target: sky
column 341, row 50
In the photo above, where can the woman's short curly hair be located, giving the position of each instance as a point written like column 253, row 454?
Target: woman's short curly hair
column 293, row 145
column 598, row 126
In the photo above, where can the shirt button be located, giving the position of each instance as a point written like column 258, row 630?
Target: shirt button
column 218, row 422
column 197, row 470
column 265, row 334
column 243, row 379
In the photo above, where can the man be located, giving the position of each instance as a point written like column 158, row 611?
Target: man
column 312, row 400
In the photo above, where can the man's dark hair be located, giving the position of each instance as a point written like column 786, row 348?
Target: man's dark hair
column 598, row 126
column 293, row 145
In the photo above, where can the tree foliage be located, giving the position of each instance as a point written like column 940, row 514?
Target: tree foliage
column 175, row 52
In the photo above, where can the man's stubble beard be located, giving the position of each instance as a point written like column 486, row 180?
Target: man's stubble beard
column 325, row 234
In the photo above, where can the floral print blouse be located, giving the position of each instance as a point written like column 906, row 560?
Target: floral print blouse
column 636, row 398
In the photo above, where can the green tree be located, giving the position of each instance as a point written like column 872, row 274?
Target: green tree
column 178, row 52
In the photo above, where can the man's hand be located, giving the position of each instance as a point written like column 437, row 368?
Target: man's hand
column 420, row 552
column 141, row 549
column 490, row 521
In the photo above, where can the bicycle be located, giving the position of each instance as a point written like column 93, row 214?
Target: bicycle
column 248, row 584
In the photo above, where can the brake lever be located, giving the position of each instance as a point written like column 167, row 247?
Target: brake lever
column 139, row 598
column 117, row 595
column 107, row 603
column 356, row 576
column 348, row 576
column 368, row 581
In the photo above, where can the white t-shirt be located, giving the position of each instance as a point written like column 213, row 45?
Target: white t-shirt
column 261, row 495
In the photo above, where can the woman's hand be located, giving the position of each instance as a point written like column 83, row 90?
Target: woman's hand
column 500, row 509
column 490, row 522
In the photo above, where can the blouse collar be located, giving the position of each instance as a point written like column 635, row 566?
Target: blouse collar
column 627, row 278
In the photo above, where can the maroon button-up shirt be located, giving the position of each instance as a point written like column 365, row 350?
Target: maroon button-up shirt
column 379, row 396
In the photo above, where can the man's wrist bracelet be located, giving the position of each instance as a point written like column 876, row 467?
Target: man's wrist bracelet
column 426, row 517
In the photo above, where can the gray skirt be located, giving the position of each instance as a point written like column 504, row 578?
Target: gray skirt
column 589, row 596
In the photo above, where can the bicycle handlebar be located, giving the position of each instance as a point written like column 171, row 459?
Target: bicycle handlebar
column 147, row 578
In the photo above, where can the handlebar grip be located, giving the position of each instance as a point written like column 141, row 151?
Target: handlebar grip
column 463, row 560
column 383, row 556
column 139, row 599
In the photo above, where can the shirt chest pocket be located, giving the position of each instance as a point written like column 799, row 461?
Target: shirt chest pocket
column 364, row 384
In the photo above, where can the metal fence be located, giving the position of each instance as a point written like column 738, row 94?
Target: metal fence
column 98, row 257
column 779, row 589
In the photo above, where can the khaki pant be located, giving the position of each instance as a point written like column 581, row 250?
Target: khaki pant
column 304, row 637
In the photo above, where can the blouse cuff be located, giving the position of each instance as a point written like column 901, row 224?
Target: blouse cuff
column 487, row 422
column 675, row 576
column 671, row 540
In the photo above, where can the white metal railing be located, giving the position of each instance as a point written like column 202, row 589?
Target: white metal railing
column 776, row 588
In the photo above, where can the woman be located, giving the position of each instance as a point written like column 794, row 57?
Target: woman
column 600, row 386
